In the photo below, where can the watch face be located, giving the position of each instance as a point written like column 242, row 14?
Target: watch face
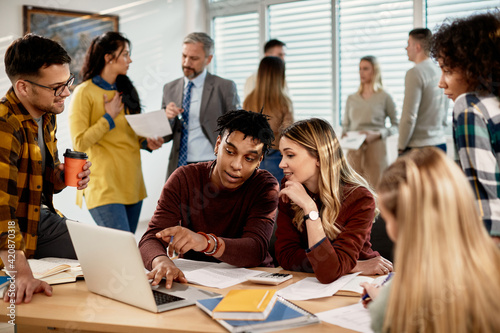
column 313, row 215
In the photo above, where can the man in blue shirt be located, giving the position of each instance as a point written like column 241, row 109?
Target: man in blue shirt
column 194, row 102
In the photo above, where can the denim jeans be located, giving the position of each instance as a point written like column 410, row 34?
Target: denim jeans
column 117, row 216
column 271, row 163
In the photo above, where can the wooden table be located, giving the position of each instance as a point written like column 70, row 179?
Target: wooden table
column 72, row 308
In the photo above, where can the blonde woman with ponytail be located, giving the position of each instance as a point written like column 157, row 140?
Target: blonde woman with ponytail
column 447, row 267
column 326, row 209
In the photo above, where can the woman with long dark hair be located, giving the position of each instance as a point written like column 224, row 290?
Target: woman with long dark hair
column 99, row 128
column 270, row 96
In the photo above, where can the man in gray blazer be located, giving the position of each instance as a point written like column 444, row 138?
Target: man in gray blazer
column 204, row 96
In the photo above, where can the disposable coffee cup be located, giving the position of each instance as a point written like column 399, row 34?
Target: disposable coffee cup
column 73, row 165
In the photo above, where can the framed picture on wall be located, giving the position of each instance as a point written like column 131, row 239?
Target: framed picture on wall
column 74, row 30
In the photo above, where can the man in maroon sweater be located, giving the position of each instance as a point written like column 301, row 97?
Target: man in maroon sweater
column 222, row 210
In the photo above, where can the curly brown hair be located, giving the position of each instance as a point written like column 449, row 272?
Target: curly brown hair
column 472, row 44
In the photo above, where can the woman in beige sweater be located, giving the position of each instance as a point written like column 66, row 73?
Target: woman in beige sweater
column 366, row 112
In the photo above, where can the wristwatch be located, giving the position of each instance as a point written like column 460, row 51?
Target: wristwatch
column 313, row 216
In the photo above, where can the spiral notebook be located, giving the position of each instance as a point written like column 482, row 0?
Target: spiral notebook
column 283, row 315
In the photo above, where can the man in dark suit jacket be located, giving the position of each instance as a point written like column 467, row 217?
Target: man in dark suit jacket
column 211, row 97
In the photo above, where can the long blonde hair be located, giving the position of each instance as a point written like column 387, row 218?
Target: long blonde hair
column 269, row 94
column 377, row 74
column 319, row 139
column 447, row 267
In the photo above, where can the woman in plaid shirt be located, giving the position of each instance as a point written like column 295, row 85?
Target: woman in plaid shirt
column 468, row 52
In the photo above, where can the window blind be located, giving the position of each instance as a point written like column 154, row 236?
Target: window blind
column 364, row 27
column 306, row 28
column 439, row 10
column 236, row 47
column 378, row 28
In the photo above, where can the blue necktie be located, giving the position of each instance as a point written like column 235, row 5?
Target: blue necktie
column 186, row 101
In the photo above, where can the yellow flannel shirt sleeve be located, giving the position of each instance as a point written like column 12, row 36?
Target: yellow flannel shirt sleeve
column 10, row 234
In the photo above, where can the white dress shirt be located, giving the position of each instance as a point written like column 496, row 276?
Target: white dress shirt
column 199, row 147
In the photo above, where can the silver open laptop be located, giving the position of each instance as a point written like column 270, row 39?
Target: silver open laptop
column 113, row 267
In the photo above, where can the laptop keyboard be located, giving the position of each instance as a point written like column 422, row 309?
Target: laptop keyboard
column 162, row 298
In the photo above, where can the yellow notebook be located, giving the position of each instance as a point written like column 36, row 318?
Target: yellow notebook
column 246, row 304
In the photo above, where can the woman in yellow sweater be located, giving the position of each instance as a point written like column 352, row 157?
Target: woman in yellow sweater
column 99, row 128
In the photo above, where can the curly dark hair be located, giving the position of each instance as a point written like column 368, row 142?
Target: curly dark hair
column 472, row 44
column 250, row 123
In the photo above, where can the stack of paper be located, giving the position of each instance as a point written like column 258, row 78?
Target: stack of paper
column 353, row 317
column 353, row 288
column 215, row 275
column 310, row 288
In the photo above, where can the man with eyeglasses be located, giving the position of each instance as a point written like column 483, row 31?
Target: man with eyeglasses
column 30, row 171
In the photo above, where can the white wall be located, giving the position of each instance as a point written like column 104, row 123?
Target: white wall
column 156, row 29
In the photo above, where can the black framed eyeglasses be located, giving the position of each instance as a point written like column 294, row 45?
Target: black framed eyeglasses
column 59, row 89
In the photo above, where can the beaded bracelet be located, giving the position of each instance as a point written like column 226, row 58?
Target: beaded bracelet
column 208, row 240
column 216, row 247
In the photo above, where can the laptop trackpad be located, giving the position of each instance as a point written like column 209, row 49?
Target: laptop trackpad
column 185, row 291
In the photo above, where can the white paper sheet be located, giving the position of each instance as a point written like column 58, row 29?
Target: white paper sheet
column 215, row 275
column 352, row 141
column 354, row 284
column 186, row 265
column 219, row 277
column 354, row 317
column 150, row 124
column 311, row 288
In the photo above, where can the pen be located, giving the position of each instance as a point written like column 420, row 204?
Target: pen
column 366, row 296
column 175, row 255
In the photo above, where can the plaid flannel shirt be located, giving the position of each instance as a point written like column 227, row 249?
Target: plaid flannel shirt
column 21, row 177
column 476, row 132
